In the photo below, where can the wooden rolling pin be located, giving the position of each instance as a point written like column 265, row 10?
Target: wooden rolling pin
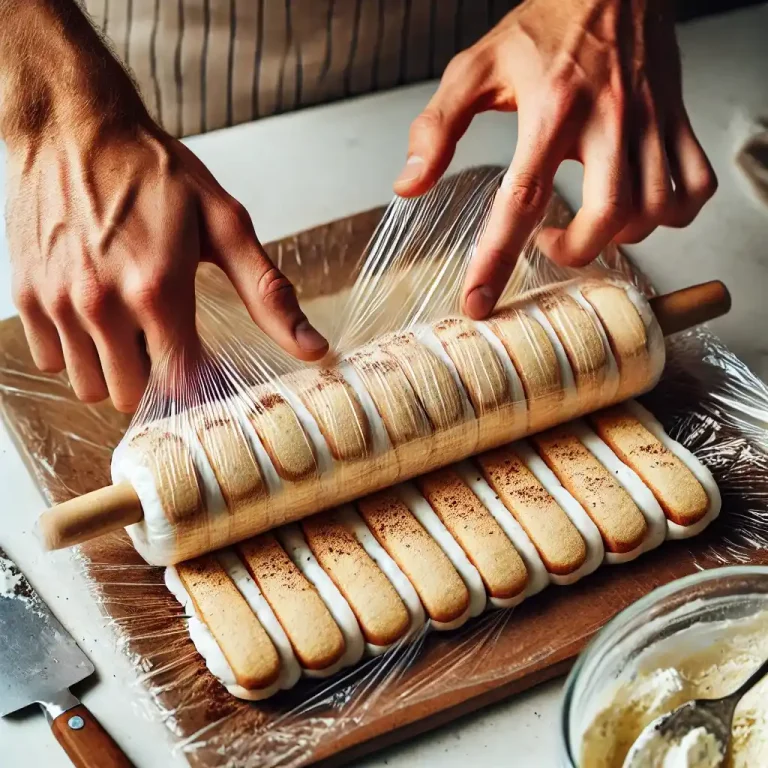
column 117, row 506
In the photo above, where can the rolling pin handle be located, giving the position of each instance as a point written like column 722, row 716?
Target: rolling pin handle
column 691, row 306
column 86, row 517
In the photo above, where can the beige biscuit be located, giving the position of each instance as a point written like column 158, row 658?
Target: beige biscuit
column 238, row 633
column 679, row 493
column 535, row 361
column 617, row 517
column 281, row 434
column 334, row 405
column 431, row 380
column 555, row 537
column 440, row 588
column 314, row 635
column 583, row 346
column 161, row 449
column 626, row 334
column 230, row 457
column 392, row 394
column 476, row 363
column 474, row 528
column 380, row 612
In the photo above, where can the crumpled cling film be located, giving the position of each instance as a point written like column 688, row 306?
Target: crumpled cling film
column 245, row 438
column 706, row 399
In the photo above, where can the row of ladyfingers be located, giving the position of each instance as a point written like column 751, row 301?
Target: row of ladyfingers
column 315, row 597
column 405, row 404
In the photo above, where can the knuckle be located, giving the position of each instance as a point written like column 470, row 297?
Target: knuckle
column 149, row 294
column 657, row 204
column 459, row 65
column 92, row 301
column 91, row 396
column 239, row 218
column 704, row 186
column 274, row 287
column 24, row 298
column 59, row 304
column 614, row 211
column 429, row 121
column 528, row 195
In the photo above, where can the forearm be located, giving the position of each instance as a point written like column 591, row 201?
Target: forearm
column 55, row 71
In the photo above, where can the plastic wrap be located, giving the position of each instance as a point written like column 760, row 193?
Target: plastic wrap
column 246, row 439
column 706, row 399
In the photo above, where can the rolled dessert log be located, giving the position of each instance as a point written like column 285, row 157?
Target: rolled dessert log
column 443, row 552
column 405, row 404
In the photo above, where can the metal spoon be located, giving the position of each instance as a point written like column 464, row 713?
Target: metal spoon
column 714, row 715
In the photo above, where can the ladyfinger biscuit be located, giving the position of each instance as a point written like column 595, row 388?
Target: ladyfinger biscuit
column 158, row 449
column 243, row 641
column 316, row 639
column 392, row 394
column 582, row 343
column 281, row 433
column 378, row 608
column 478, row 367
column 679, row 493
column 439, row 586
column 555, row 537
column 230, row 457
column 535, row 361
column 335, row 407
column 626, row 333
column 479, row 535
column 617, row 517
column 431, row 380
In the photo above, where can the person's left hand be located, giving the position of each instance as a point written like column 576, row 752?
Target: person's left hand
column 596, row 81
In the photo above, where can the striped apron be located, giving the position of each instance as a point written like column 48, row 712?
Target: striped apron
column 206, row 64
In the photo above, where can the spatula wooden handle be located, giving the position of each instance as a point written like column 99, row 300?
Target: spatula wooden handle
column 86, row 743
column 88, row 516
column 691, row 306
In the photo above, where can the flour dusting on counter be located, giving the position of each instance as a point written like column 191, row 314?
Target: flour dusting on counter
column 11, row 580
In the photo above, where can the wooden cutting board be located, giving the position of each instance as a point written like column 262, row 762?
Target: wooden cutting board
column 67, row 447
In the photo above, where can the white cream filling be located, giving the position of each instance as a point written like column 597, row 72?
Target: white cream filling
column 207, row 646
column 519, row 403
column 427, row 337
column 290, row 670
column 292, row 540
column 423, row 512
column 354, row 523
column 610, row 386
column 575, row 512
column 154, row 537
column 698, row 470
column 633, row 485
column 538, row 578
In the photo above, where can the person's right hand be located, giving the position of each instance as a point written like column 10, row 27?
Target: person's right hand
column 106, row 228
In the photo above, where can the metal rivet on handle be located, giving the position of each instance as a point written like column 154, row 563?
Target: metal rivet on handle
column 76, row 722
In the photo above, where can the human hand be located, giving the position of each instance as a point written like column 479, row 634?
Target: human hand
column 596, row 81
column 106, row 232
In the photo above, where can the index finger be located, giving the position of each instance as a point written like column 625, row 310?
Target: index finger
column 517, row 208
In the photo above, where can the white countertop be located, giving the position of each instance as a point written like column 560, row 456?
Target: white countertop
column 299, row 170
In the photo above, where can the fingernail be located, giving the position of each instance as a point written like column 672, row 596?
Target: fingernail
column 480, row 302
column 308, row 338
column 414, row 167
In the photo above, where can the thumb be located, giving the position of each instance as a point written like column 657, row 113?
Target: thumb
column 436, row 131
column 267, row 294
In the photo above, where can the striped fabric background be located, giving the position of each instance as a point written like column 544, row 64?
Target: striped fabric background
column 206, row 64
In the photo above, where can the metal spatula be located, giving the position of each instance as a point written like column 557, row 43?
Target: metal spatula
column 39, row 661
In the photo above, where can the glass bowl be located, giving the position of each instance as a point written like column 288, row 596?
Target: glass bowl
column 715, row 595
